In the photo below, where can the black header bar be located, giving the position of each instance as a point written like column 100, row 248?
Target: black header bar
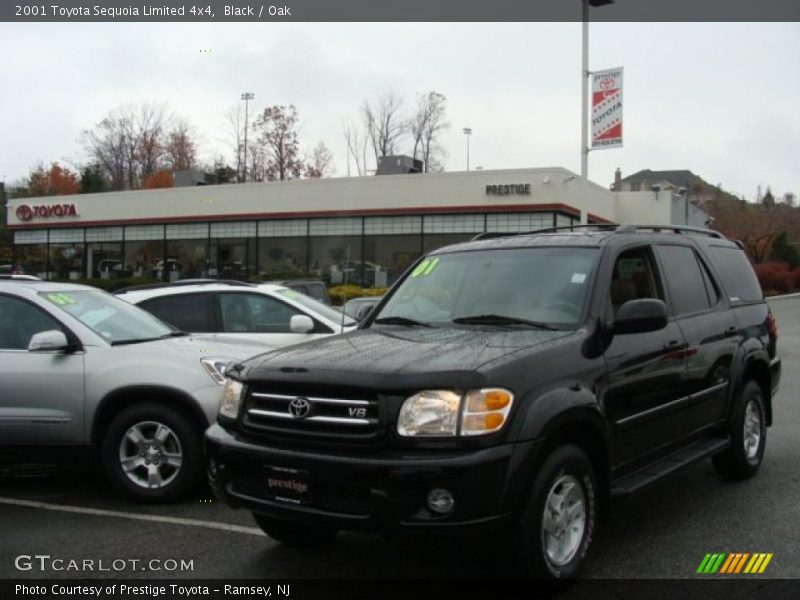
column 396, row 10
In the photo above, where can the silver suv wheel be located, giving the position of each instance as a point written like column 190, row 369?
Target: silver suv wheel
column 150, row 454
column 752, row 430
column 564, row 520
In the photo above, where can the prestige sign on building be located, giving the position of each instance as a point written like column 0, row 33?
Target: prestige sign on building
column 607, row 109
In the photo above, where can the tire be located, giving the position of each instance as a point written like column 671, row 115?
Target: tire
column 294, row 534
column 743, row 457
column 170, row 470
column 565, row 485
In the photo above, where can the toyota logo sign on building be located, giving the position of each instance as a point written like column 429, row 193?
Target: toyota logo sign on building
column 24, row 212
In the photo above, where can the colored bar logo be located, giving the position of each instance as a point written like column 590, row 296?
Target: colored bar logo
column 734, row 563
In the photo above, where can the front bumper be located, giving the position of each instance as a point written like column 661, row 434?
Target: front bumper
column 377, row 493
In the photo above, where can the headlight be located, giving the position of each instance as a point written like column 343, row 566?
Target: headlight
column 231, row 399
column 431, row 413
column 445, row 413
column 215, row 368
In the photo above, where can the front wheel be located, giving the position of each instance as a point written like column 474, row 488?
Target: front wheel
column 294, row 534
column 152, row 453
column 557, row 523
column 748, row 436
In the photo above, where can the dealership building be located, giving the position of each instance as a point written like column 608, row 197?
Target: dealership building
column 363, row 230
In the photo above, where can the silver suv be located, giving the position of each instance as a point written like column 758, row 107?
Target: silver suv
column 79, row 367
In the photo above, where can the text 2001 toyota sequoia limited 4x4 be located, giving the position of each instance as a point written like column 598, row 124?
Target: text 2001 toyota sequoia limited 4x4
column 513, row 384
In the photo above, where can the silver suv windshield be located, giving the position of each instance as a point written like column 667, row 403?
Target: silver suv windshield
column 528, row 287
column 113, row 319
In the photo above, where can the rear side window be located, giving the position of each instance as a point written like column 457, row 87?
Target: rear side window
column 685, row 282
column 737, row 275
column 187, row 312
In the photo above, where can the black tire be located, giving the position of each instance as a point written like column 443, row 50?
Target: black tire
column 566, row 466
column 294, row 534
column 177, row 481
column 741, row 461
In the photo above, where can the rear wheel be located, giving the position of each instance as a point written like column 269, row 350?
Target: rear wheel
column 743, row 457
column 152, row 453
column 555, row 529
column 294, row 534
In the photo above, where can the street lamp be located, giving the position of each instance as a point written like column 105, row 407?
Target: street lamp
column 585, row 92
column 247, row 96
column 468, row 133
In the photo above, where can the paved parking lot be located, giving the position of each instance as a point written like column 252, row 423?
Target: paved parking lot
column 663, row 532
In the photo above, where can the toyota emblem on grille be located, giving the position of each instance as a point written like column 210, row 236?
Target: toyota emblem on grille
column 299, row 408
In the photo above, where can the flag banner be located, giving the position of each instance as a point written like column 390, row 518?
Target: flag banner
column 607, row 109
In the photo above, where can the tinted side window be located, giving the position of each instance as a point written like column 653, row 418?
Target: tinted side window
column 711, row 287
column 19, row 321
column 634, row 278
column 687, row 288
column 737, row 275
column 255, row 313
column 187, row 312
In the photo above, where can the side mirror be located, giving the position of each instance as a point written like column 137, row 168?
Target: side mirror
column 640, row 316
column 48, row 341
column 301, row 324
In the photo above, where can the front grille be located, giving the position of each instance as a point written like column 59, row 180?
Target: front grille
column 313, row 413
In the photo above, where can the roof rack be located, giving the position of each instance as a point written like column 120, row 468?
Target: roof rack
column 182, row 283
column 613, row 227
column 673, row 228
column 488, row 235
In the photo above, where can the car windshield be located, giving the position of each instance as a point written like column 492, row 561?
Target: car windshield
column 517, row 287
column 115, row 320
column 316, row 306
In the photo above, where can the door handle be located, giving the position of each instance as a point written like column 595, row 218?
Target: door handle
column 731, row 331
column 671, row 345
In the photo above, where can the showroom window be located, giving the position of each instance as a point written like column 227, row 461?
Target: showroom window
column 233, row 250
column 30, row 252
column 335, row 251
column 443, row 230
column 283, row 248
column 518, row 222
column 391, row 244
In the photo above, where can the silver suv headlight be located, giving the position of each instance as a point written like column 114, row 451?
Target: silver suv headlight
column 215, row 367
column 231, row 399
column 446, row 413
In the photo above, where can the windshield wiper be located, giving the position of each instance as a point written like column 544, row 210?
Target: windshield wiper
column 401, row 321
column 503, row 320
column 171, row 334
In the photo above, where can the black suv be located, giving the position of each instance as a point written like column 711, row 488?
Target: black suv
column 512, row 383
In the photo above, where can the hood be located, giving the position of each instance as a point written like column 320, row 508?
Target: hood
column 206, row 345
column 398, row 357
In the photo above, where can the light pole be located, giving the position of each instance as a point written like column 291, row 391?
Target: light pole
column 247, row 96
column 468, row 133
column 585, row 92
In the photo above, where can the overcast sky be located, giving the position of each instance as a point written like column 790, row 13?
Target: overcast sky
column 722, row 100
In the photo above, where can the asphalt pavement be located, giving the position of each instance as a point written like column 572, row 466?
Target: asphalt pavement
column 662, row 532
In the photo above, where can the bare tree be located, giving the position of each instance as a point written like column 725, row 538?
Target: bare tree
column 384, row 124
column 321, row 162
column 235, row 130
column 355, row 135
column 129, row 144
column 426, row 126
column 181, row 149
column 276, row 128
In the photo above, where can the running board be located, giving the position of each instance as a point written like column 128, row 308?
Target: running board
column 635, row 481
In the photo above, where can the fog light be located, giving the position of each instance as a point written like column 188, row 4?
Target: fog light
column 441, row 501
